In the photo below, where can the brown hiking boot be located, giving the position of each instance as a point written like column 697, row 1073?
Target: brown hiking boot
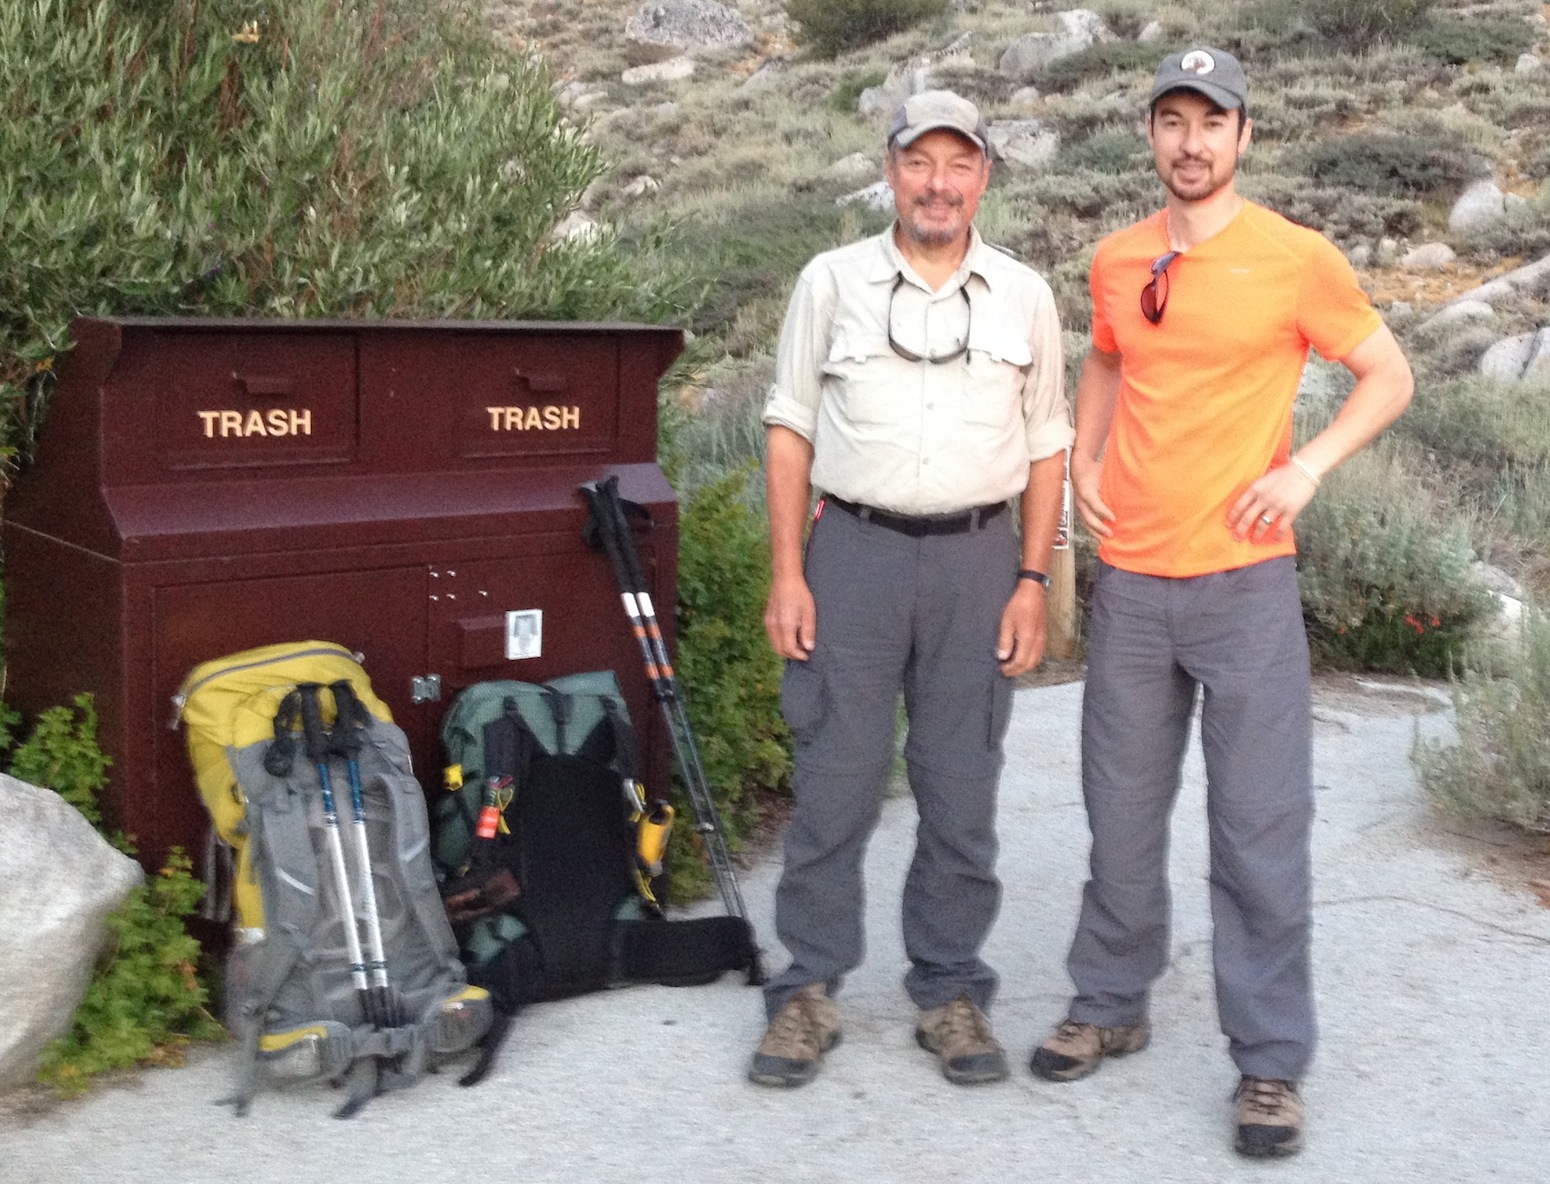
column 1269, row 1118
column 959, row 1034
column 794, row 1043
column 1074, row 1049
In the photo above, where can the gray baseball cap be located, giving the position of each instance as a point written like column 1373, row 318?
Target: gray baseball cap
column 935, row 110
column 1214, row 73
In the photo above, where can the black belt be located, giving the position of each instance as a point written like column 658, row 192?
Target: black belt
column 959, row 523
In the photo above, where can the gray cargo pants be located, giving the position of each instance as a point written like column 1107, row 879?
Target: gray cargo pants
column 1239, row 636
column 921, row 615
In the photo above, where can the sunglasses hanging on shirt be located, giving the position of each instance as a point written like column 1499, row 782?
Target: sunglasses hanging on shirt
column 935, row 359
column 1154, row 297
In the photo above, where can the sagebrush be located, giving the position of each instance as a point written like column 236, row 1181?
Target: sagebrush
column 1385, row 572
column 1499, row 767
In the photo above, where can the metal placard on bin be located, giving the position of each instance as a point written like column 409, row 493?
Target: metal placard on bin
column 407, row 489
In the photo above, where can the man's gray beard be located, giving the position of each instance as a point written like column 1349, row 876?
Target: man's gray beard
column 929, row 237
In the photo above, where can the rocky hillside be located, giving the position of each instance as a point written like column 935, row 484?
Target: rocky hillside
column 1424, row 156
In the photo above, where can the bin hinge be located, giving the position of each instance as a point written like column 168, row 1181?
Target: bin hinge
column 425, row 688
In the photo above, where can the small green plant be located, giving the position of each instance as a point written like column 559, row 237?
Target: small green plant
column 1456, row 40
column 145, row 999
column 61, row 753
column 1500, row 766
column 731, row 676
column 829, row 27
column 1375, row 162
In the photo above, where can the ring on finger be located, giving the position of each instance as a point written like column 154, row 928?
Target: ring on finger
column 1267, row 519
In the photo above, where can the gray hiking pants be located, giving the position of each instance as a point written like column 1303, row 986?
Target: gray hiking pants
column 919, row 615
column 1239, row 636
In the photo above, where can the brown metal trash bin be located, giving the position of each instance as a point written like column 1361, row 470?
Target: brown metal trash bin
column 406, row 489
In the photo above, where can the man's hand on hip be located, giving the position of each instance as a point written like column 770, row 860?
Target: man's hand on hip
column 1020, row 645
column 791, row 619
column 1266, row 509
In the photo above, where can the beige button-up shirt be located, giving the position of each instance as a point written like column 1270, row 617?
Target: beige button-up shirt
column 914, row 437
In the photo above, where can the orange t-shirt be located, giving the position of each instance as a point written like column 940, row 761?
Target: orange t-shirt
column 1205, row 399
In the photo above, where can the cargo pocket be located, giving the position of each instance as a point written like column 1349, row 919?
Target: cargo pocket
column 801, row 697
column 1000, row 709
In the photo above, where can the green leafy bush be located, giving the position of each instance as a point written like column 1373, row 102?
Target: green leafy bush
column 375, row 159
column 1377, row 162
column 1456, row 40
column 829, row 27
column 1500, row 766
column 61, row 753
column 730, row 674
column 145, row 999
column 1384, row 574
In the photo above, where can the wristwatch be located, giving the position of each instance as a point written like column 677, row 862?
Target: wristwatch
column 1038, row 577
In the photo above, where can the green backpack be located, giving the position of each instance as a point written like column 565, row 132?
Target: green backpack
column 549, row 851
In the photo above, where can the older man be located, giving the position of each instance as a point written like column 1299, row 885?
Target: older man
column 919, row 388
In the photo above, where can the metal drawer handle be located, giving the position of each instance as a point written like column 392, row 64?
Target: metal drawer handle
column 266, row 386
column 542, row 383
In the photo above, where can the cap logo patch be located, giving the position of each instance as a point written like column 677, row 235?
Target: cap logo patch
column 1197, row 61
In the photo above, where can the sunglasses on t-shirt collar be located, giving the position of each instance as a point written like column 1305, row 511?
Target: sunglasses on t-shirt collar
column 1154, row 297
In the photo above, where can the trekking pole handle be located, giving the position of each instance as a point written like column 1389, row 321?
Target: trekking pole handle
column 349, row 719
column 596, row 494
column 312, row 730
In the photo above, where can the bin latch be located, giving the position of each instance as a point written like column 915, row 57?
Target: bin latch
column 425, row 688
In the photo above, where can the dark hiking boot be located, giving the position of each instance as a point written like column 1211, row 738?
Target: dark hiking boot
column 794, row 1043
column 959, row 1034
column 1269, row 1118
column 1075, row 1049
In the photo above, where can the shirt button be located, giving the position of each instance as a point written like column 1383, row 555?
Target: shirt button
column 925, row 460
column 930, row 406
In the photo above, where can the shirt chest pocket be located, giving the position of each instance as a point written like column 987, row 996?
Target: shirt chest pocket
column 862, row 378
column 992, row 386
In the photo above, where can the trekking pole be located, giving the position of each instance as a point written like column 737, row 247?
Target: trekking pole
column 614, row 532
column 317, row 749
column 349, row 723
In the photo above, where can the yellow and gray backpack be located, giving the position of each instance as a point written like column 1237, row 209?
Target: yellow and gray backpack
column 343, row 966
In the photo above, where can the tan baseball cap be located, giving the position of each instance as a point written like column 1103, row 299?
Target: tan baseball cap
column 937, row 110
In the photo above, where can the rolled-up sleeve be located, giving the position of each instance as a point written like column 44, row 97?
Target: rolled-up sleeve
column 799, row 360
column 1045, row 409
